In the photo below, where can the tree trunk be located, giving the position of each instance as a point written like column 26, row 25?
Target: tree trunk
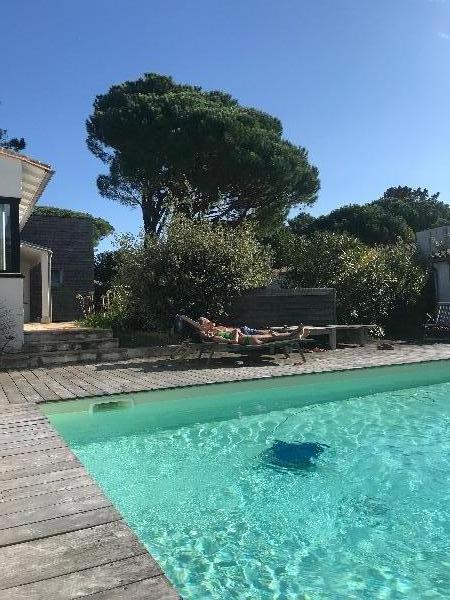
column 152, row 214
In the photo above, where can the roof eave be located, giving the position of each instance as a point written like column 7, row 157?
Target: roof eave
column 47, row 176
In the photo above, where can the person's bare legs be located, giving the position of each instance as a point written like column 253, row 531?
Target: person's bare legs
column 257, row 340
column 299, row 333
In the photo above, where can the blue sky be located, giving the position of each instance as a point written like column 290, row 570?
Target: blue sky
column 363, row 84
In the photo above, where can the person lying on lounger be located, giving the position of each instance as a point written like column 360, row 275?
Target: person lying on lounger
column 211, row 332
column 244, row 329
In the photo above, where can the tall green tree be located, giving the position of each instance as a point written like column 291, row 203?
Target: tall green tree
column 416, row 206
column 302, row 223
column 398, row 214
column 370, row 223
column 177, row 148
column 16, row 144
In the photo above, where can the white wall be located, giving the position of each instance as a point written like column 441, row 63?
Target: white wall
column 25, row 269
column 10, row 177
column 11, row 288
column 11, row 301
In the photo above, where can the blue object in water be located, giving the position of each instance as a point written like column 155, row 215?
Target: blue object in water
column 294, row 455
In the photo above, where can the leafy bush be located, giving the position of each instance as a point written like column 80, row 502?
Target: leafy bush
column 383, row 285
column 118, row 316
column 198, row 268
column 105, row 271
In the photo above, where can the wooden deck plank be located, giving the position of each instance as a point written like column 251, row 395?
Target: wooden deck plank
column 123, row 383
column 58, row 525
column 91, row 390
column 44, row 376
column 8, row 507
column 89, row 381
column 17, row 407
column 17, row 421
column 17, row 435
column 106, row 387
column 44, row 513
column 30, row 491
column 62, row 378
column 12, row 392
column 25, row 388
column 27, row 469
column 89, row 581
column 31, row 414
column 17, row 411
column 40, row 387
column 16, row 428
column 29, row 446
column 39, row 458
column 67, row 553
column 156, row 588
column 41, row 478
column 19, row 443
column 136, row 380
column 140, row 380
column 3, row 397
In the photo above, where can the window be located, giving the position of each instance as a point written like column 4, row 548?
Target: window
column 9, row 236
column 5, row 237
column 57, row 277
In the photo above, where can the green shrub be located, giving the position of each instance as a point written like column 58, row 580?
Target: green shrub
column 118, row 316
column 198, row 268
column 383, row 285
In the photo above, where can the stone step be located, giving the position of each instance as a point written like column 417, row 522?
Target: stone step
column 83, row 356
column 59, row 335
column 69, row 345
column 22, row 360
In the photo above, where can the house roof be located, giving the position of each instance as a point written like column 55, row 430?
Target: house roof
column 35, row 247
column 35, row 177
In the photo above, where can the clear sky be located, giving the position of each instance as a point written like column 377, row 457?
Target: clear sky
column 363, row 84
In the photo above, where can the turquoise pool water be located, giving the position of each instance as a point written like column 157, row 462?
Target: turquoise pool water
column 371, row 518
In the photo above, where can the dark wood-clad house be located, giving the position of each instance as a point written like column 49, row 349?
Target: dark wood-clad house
column 70, row 240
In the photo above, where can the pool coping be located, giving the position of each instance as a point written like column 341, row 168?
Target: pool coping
column 50, row 506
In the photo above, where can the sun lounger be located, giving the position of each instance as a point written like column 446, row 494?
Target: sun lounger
column 194, row 343
column 440, row 327
column 285, row 347
column 360, row 333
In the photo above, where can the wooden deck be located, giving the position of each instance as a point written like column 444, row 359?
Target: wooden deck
column 60, row 538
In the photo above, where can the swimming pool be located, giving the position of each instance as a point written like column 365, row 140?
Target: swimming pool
column 189, row 470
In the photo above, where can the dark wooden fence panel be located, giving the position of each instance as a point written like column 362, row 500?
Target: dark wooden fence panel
column 275, row 307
